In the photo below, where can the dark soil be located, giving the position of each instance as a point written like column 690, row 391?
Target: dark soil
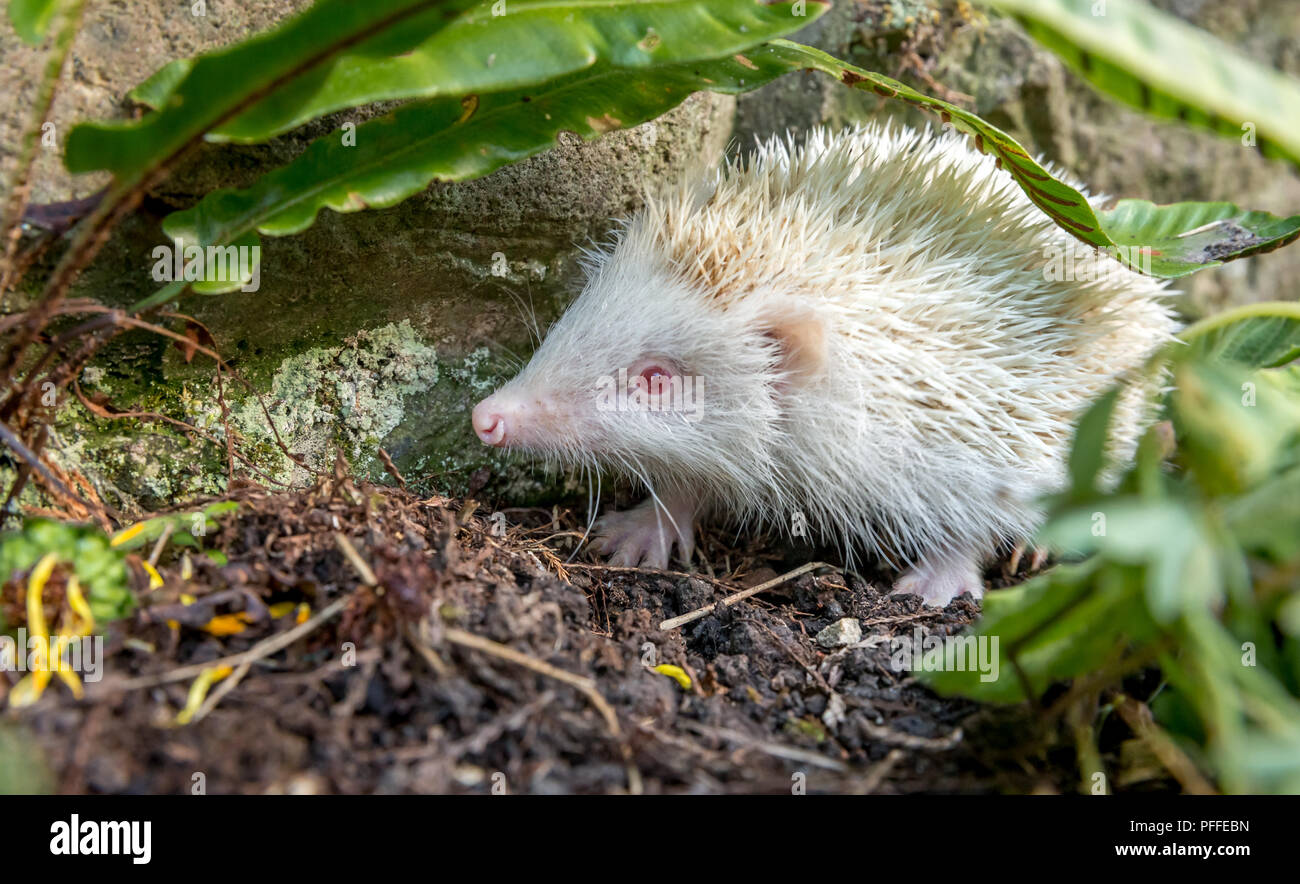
column 400, row 693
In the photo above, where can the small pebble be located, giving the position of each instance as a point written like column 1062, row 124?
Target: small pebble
column 834, row 715
column 840, row 634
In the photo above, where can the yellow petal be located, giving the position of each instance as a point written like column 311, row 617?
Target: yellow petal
column 35, row 589
column 227, row 624
column 199, row 691
column 155, row 579
column 279, row 609
column 26, row 692
column 676, row 673
column 65, row 673
column 72, row 681
column 304, row 613
column 40, row 651
column 126, row 534
column 31, row 687
column 77, row 602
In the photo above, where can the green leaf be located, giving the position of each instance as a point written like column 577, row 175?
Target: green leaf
column 450, row 140
column 212, row 269
column 32, row 18
column 1060, row 625
column 155, row 90
column 341, row 54
column 1166, row 536
column 1088, row 450
column 1146, row 237
column 1256, row 335
column 534, row 41
column 1234, row 425
column 1065, row 205
column 1130, row 530
column 1154, row 61
column 1179, row 239
column 1185, row 575
column 1267, row 520
column 1270, row 763
column 224, row 84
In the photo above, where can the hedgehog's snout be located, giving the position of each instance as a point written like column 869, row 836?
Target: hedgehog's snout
column 513, row 418
column 489, row 423
column 500, row 419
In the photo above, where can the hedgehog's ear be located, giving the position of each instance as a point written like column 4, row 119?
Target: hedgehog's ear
column 801, row 337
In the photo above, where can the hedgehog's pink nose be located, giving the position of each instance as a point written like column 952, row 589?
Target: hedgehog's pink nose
column 489, row 423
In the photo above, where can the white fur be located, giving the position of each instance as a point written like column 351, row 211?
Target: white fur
column 954, row 369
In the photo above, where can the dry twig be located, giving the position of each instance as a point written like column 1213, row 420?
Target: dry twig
column 1138, row 717
column 682, row 620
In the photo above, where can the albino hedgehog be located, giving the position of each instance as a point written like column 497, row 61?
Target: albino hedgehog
column 875, row 351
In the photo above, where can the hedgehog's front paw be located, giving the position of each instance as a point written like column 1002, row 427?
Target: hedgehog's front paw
column 645, row 534
column 939, row 581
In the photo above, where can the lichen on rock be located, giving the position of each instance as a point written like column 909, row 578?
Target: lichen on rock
column 345, row 398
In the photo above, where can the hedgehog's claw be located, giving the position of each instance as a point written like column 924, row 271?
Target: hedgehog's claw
column 939, row 581
column 645, row 536
column 1038, row 558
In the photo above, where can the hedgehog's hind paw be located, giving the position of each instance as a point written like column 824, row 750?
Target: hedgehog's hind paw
column 939, row 581
column 645, row 536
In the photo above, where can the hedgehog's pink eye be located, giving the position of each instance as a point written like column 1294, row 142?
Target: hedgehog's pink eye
column 655, row 378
